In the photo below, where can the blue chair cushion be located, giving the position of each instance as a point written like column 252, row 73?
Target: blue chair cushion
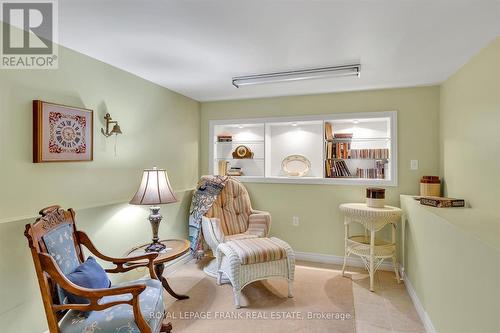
column 89, row 275
column 119, row 318
column 61, row 246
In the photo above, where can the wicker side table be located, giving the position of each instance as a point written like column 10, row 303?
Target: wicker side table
column 372, row 251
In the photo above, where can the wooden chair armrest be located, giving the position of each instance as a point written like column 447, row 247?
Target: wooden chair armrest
column 120, row 262
column 94, row 295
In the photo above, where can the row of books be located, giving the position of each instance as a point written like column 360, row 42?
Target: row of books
column 339, row 149
column 380, row 153
column 336, row 169
column 343, row 150
column 372, row 173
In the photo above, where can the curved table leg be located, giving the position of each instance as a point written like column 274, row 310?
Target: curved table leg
column 159, row 272
column 166, row 327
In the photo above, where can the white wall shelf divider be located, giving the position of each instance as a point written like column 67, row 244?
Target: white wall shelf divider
column 361, row 145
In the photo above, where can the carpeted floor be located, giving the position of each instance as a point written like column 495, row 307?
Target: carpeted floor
column 323, row 302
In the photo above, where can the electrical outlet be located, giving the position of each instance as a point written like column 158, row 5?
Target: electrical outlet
column 414, row 164
column 295, row 221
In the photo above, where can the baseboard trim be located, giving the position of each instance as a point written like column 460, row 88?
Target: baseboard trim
column 337, row 260
column 173, row 265
column 426, row 320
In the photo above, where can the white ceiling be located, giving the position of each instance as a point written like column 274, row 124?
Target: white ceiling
column 196, row 47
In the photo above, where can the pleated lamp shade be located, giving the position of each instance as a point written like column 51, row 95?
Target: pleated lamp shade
column 155, row 189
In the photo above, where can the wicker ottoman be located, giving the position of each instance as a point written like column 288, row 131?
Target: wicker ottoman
column 247, row 260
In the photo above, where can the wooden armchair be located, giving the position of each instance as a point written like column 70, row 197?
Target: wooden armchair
column 56, row 247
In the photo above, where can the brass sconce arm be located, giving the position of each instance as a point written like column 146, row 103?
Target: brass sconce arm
column 116, row 128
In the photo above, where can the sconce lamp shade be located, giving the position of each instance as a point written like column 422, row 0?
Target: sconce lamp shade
column 155, row 189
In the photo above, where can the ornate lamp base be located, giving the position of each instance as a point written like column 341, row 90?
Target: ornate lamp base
column 155, row 247
column 155, row 219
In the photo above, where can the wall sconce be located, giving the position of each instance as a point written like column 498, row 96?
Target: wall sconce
column 116, row 128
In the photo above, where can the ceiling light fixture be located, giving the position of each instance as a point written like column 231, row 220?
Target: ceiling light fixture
column 305, row 74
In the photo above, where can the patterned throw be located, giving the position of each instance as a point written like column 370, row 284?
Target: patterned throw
column 203, row 199
column 256, row 250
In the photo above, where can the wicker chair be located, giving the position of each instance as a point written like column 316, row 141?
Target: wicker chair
column 231, row 217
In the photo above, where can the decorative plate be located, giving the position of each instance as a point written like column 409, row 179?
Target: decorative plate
column 296, row 165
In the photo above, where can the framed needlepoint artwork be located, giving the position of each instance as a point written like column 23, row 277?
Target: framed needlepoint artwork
column 61, row 133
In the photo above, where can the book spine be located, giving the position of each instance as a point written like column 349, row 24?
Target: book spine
column 429, row 202
column 458, row 203
column 442, row 203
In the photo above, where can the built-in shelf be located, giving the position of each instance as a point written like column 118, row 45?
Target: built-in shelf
column 358, row 159
column 356, row 139
column 238, row 142
column 271, row 140
column 240, row 159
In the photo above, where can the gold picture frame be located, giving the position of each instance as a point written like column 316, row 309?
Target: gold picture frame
column 62, row 133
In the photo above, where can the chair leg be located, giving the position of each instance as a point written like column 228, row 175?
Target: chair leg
column 346, row 254
column 372, row 258
column 237, row 298
column 290, row 288
column 166, row 327
column 396, row 270
column 219, row 278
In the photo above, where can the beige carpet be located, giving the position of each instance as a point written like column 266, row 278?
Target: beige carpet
column 318, row 292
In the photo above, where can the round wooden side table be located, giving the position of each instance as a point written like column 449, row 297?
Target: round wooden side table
column 175, row 248
column 372, row 251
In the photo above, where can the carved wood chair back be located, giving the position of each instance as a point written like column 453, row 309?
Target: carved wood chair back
column 56, row 248
column 53, row 233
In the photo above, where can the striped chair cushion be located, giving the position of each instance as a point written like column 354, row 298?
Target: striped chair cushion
column 232, row 207
column 256, row 250
column 238, row 237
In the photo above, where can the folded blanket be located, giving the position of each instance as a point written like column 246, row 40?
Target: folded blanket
column 204, row 197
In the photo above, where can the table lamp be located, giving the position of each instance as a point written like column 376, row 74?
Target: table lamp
column 154, row 190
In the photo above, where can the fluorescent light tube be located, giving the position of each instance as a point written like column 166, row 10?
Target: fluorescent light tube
column 305, row 74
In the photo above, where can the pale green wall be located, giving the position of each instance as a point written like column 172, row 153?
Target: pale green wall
column 469, row 130
column 321, row 225
column 452, row 254
column 160, row 128
column 452, row 263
